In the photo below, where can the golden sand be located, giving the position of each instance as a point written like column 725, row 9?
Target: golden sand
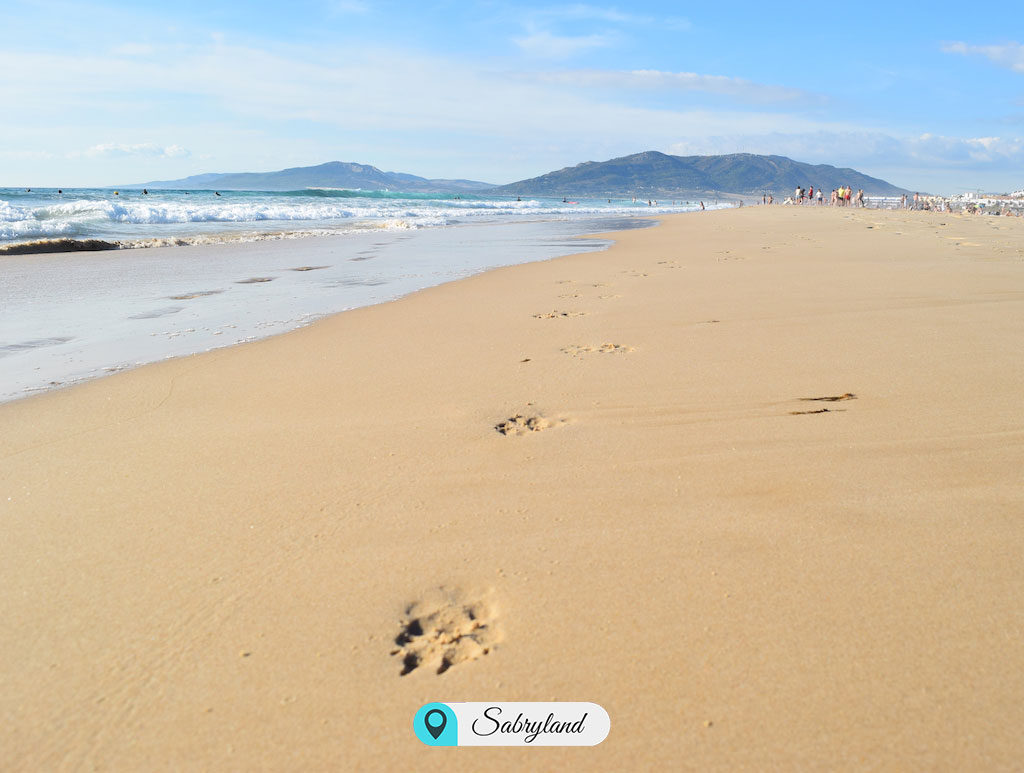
column 750, row 480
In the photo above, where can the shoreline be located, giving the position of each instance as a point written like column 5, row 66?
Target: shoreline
column 749, row 480
column 72, row 318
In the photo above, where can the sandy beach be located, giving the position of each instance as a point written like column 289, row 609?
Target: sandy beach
column 750, row 480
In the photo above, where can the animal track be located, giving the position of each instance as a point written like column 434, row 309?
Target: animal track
column 446, row 629
column 560, row 315
column 576, row 350
column 825, row 399
column 520, row 425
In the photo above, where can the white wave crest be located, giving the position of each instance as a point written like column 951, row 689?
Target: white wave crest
column 10, row 213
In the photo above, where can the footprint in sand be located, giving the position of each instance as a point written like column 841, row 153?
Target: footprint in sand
column 826, row 399
column 308, row 268
column 445, row 629
column 577, row 350
column 196, row 294
column 255, row 280
column 155, row 313
column 522, row 425
column 560, row 314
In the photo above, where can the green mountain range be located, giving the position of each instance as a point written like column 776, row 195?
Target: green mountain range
column 654, row 174
column 334, row 174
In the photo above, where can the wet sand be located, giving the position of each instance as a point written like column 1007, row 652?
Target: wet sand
column 750, row 480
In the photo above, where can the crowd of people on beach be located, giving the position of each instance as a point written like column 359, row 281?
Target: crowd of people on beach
column 844, row 196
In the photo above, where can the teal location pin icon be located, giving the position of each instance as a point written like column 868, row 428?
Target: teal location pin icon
column 435, row 725
column 435, row 716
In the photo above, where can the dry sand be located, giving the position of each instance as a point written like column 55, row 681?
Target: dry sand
column 207, row 562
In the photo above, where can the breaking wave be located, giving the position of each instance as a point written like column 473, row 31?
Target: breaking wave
column 131, row 217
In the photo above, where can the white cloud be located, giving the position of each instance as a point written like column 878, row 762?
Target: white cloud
column 679, row 81
column 27, row 155
column 582, row 12
column 145, row 149
column 545, row 45
column 967, row 150
column 1009, row 55
column 872, row 148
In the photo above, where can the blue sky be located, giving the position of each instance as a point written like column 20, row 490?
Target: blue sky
column 929, row 96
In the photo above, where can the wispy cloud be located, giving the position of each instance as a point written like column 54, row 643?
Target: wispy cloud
column 145, row 149
column 967, row 150
column 545, row 30
column 585, row 12
column 1009, row 55
column 582, row 12
column 872, row 148
column 546, row 45
column 656, row 80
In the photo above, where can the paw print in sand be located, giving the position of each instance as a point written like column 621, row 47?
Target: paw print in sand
column 445, row 630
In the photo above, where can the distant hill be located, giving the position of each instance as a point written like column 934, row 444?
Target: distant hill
column 334, row 174
column 658, row 174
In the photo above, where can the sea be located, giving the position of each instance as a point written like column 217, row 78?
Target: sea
column 170, row 273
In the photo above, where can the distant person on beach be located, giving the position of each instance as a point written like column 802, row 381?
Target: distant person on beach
column 702, row 206
column 821, row 198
